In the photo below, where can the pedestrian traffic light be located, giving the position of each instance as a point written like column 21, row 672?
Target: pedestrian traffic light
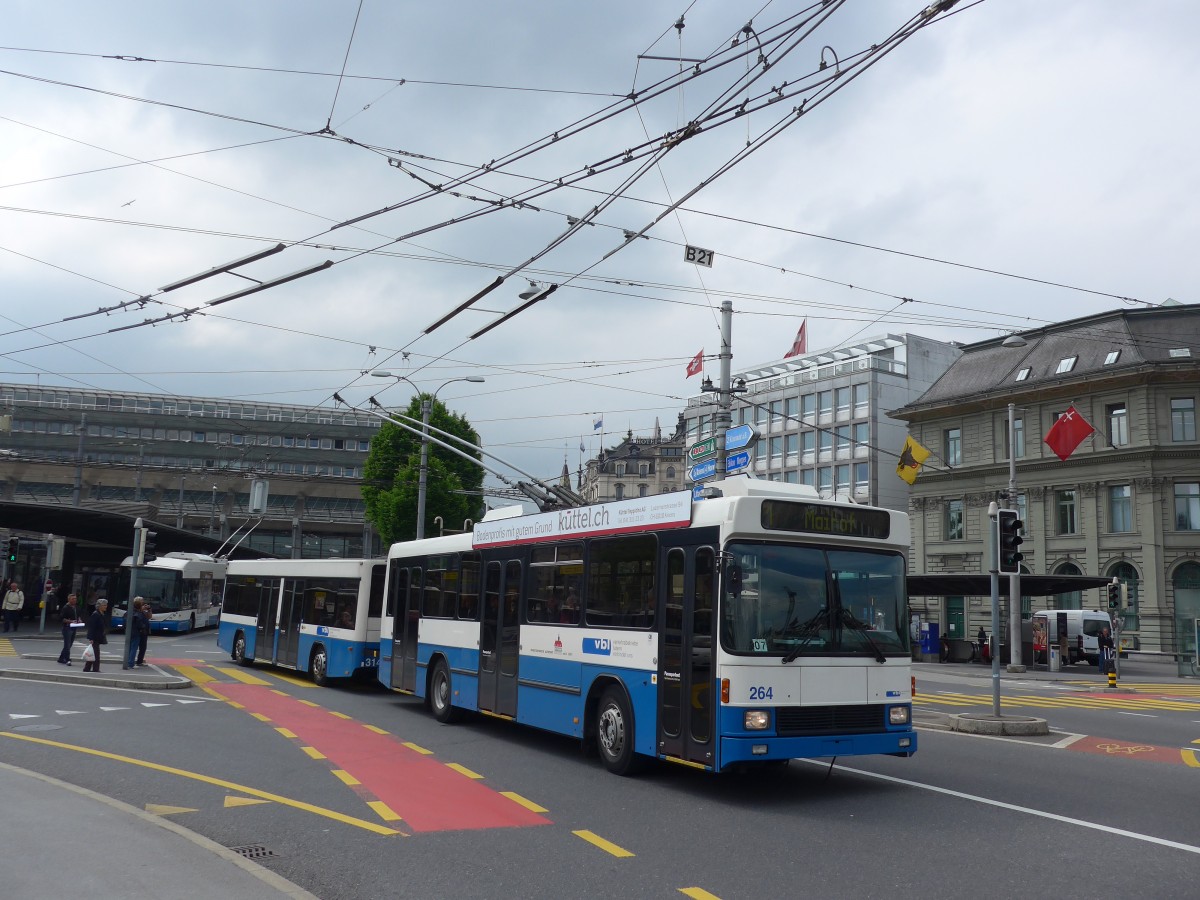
column 14, row 544
column 1114, row 597
column 1008, row 539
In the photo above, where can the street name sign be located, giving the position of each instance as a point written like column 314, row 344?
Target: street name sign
column 739, row 437
column 737, row 461
column 706, row 469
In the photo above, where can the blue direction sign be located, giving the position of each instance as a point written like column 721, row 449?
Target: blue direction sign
column 737, row 461
column 706, row 469
column 742, row 436
column 697, row 493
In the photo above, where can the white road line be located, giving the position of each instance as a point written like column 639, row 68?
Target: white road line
column 1012, row 807
column 1142, row 715
column 1068, row 741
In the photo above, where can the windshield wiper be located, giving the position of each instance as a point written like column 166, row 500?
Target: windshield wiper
column 807, row 631
column 854, row 624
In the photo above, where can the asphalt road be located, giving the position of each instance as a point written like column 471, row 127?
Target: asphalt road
column 363, row 794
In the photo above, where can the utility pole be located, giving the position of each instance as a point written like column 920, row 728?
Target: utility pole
column 723, row 418
column 1014, row 578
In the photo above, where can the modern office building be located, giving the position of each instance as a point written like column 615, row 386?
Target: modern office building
column 822, row 417
column 1125, row 503
column 190, row 462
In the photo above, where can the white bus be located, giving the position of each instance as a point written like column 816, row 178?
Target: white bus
column 761, row 624
column 183, row 590
column 319, row 616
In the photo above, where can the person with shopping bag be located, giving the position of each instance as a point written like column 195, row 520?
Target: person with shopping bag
column 97, row 634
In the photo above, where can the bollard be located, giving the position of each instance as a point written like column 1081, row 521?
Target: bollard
column 1112, row 676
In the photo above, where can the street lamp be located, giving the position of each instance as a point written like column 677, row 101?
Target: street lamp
column 1013, row 341
column 426, row 409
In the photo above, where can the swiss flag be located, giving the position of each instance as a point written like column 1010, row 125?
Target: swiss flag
column 800, row 345
column 696, row 365
column 1067, row 433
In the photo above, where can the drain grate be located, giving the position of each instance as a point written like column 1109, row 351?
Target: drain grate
column 255, row 851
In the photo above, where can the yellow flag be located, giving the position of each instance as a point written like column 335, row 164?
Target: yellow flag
column 911, row 458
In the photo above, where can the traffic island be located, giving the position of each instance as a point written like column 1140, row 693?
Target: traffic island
column 1009, row 726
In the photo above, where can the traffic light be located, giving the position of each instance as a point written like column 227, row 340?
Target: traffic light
column 14, row 544
column 145, row 542
column 1114, row 597
column 1008, row 539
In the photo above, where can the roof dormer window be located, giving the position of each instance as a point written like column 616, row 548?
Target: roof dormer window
column 1066, row 365
column 1023, row 374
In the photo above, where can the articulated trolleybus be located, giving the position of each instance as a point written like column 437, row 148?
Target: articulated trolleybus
column 183, row 590
column 759, row 624
column 319, row 616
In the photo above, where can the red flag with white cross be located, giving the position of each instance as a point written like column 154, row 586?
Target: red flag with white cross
column 1067, row 433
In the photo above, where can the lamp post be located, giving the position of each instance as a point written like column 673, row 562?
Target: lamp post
column 1013, row 341
column 426, row 409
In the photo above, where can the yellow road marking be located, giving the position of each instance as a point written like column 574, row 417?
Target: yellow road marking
column 340, row 715
column 307, row 702
column 528, row 804
column 155, row 810
column 384, row 811
column 260, row 716
column 606, row 846
column 194, row 674
column 279, row 692
column 1190, row 758
column 313, row 752
column 214, row 694
column 7, row 648
column 698, row 894
column 463, row 770
column 241, row 801
column 345, row 777
column 418, row 748
column 208, row 779
column 375, row 728
column 297, row 680
column 243, row 677
column 286, row 733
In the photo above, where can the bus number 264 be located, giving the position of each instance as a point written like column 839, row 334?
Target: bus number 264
column 759, row 692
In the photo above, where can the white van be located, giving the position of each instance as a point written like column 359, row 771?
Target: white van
column 1088, row 623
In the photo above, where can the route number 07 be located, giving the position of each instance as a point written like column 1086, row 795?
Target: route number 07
column 698, row 255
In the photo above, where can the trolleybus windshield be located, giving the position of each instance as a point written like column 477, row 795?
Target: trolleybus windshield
column 799, row 601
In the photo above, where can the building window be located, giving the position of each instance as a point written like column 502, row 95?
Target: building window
column 1180, row 352
column 843, row 479
column 619, row 491
column 791, row 444
column 641, row 490
column 862, row 395
column 792, row 409
column 1118, row 424
column 825, row 480
column 862, row 435
column 1120, row 508
column 843, row 439
column 776, row 451
column 843, row 402
column 808, row 406
column 1187, row 506
column 954, row 446
column 776, row 414
column 954, row 520
column 1113, row 356
column 670, row 473
column 620, row 469
column 1018, row 438
column 808, row 442
column 1183, row 419
column 1065, row 365
column 826, row 441
column 825, row 402
column 1023, row 374
column 644, row 469
column 1066, row 512
column 806, row 477
column 862, row 484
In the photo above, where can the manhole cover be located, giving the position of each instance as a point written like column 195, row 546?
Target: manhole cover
column 44, row 726
column 255, row 851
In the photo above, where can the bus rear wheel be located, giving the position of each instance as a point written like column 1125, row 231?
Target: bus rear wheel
column 239, row 650
column 441, row 694
column 614, row 734
column 318, row 667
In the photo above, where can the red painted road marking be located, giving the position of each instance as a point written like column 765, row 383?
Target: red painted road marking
column 426, row 794
column 1127, row 750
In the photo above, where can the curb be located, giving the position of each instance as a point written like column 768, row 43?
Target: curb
column 175, row 684
column 1012, row 726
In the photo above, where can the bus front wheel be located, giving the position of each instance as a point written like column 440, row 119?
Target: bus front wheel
column 440, row 694
column 614, row 733
column 319, row 667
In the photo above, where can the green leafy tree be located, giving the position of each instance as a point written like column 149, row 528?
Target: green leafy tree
column 391, row 476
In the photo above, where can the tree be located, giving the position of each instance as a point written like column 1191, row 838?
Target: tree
column 391, row 475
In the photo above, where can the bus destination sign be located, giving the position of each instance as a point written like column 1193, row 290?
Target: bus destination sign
column 818, row 518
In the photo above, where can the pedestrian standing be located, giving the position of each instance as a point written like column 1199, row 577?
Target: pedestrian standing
column 1105, row 642
column 137, row 621
column 14, row 604
column 69, row 616
column 97, row 633
column 144, row 634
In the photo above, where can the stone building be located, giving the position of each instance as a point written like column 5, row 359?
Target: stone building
column 637, row 467
column 1125, row 503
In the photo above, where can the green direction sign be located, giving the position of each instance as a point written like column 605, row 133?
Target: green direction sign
column 702, row 449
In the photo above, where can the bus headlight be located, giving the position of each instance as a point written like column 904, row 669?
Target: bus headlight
column 899, row 715
column 757, row 720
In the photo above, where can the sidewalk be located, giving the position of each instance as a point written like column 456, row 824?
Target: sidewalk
column 1134, row 669
column 123, row 852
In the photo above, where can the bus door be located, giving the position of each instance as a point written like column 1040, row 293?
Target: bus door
column 499, row 638
column 264, row 625
column 404, row 629
column 291, row 610
column 686, row 706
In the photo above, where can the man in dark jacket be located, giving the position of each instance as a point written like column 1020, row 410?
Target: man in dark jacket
column 69, row 616
column 97, row 633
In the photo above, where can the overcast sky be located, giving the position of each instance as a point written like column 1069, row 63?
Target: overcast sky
column 1046, row 140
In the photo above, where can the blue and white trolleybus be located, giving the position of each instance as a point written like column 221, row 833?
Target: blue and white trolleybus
column 183, row 590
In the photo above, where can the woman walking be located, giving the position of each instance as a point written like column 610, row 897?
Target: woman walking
column 97, row 633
